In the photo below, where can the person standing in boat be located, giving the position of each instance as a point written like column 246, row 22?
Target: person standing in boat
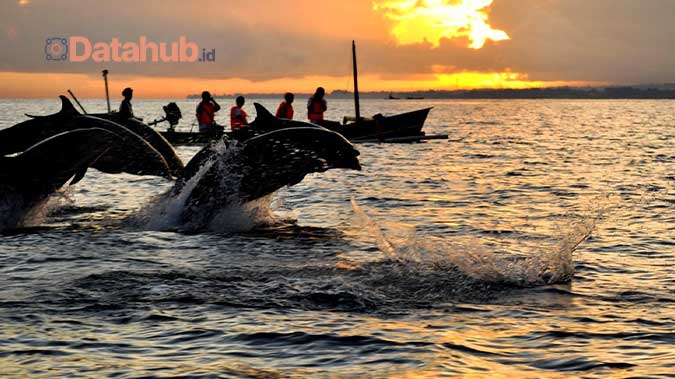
column 238, row 116
column 316, row 105
column 126, row 109
column 285, row 109
column 206, row 113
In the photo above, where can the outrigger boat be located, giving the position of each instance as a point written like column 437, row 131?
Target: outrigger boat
column 404, row 127
column 380, row 127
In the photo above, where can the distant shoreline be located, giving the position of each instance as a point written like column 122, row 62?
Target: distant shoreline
column 646, row 92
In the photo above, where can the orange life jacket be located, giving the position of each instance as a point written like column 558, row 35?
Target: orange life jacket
column 237, row 117
column 285, row 110
column 315, row 109
column 206, row 112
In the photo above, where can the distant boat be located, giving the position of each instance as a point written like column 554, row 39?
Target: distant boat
column 414, row 98
column 392, row 97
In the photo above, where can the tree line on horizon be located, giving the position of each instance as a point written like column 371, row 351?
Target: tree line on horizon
column 618, row 92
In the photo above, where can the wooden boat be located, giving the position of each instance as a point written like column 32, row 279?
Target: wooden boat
column 378, row 127
column 404, row 127
column 381, row 127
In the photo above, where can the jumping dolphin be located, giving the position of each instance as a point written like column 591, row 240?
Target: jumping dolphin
column 224, row 173
column 151, row 136
column 274, row 153
column 28, row 179
column 133, row 155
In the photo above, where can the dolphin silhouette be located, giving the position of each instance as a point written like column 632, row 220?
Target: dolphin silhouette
column 27, row 179
column 134, row 155
column 151, row 136
column 268, row 155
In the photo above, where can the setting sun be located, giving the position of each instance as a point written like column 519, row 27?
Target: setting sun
column 433, row 20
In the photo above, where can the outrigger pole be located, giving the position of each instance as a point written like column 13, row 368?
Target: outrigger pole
column 356, row 84
column 107, row 94
column 77, row 101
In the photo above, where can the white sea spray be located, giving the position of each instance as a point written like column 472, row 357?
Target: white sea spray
column 166, row 211
column 552, row 264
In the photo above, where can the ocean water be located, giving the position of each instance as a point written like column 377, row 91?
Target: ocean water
column 538, row 241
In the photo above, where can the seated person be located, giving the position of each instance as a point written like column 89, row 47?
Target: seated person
column 316, row 106
column 206, row 113
column 238, row 116
column 285, row 109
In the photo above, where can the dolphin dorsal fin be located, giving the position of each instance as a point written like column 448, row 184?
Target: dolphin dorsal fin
column 67, row 106
column 263, row 115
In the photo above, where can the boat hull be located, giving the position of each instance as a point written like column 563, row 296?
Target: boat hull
column 382, row 128
column 407, row 124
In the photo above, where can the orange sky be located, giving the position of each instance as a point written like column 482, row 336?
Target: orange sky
column 277, row 46
column 39, row 85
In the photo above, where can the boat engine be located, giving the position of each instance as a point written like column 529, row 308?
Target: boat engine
column 172, row 114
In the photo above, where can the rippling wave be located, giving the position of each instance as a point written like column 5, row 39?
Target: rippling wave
column 471, row 257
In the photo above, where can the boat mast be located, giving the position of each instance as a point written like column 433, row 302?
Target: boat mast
column 107, row 94
column 356, row 84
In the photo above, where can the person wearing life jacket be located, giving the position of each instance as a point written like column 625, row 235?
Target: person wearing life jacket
column 285, row 109
column 238, row 115
column 316, row 105
column 206, row 114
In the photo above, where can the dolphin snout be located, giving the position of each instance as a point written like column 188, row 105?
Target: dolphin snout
column 347, row 159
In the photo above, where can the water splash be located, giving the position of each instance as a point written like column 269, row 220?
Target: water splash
column 15, row 213
column 164, row 211
column 239, row 217
column 223, row 212
column 432, row 254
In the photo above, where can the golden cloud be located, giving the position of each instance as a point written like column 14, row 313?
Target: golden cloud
column 418, row 21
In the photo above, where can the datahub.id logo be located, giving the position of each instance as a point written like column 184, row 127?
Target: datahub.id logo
column 81, row 49
column 56, row 49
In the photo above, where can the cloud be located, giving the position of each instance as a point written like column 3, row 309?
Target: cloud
column 618, row 41
column 433, row 20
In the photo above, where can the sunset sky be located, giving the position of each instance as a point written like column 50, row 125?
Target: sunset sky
column 277, row 46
